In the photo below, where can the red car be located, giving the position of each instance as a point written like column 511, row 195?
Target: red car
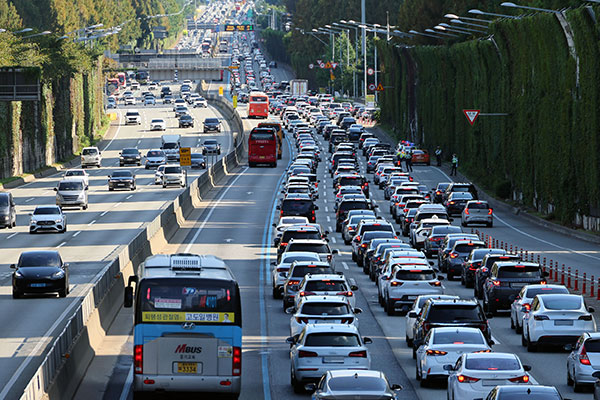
column 421, row 157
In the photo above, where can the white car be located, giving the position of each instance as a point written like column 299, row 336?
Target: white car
column 129, row 101
column 584, row 361
column 158, row 174
column 444, row 346
column 325, row 285
column 421, row 231
column 325, row 347
column 47, row 218
column 279, row 272
column 322, row 310
column 406, row 282
column 522, row 303
column 474, row 375
column 200, row 102
column 413, row 313
column 78, row 173
column 556, row 319
column 91, row 156
column 174, row 175
column 158, row 124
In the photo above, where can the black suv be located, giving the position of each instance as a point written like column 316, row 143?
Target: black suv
column 164, row 91
column 483, row 271
column 297, row 232
column 351, row 180
column 506, row 281
column 447, row 245
column 440, row 313
column 345, row 206
column 458, row 254
column 460, row 187
column 472, row 264
column 300, row 205
column 130, row 155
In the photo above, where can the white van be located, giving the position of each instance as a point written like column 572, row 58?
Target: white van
column 170, row 145
column 72, row 192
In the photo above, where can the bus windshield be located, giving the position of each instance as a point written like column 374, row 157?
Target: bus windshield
column 177, row 301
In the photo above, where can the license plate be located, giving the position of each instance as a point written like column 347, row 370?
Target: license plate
column 563, row 322
column 38, row 285
column 187, row 368
column 411, row 297
column 333, row 360
column 261, row 156
column 491, row 382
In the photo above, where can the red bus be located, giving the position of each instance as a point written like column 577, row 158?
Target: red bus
column 262, row 147
column 258, row 105
column 122, row 77
column 112, row 86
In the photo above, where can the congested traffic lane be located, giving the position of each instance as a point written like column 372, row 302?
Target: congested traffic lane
column 92, row 238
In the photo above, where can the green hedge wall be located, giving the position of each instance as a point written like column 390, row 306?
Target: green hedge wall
column 546, row 151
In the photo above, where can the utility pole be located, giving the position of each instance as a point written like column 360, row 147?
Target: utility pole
column 363, row 20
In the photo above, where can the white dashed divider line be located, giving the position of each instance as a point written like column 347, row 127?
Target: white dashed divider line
column 328, row 219
column 12, row 235
column 330, row 229
column 28, row 200
column 61, row 245
column 116, row 205
column 104, row 213
column 325, row 201
column 345, row 265
column 76, row 233
column 333, row 239
column 326, row 209
column 91, row 223
column 130, row 196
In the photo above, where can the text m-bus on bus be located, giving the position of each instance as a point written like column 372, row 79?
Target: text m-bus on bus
column 262, row 147
column 258, row 105
column 187, row 326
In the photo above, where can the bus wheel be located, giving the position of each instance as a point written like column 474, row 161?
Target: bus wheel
column 251, row 164
column 274, row 165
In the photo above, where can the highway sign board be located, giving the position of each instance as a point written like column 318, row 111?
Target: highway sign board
column 370, row 71
column 239, row 28
column 185, row 156
column 370, row 100
column 471, row 115
column 372, row 86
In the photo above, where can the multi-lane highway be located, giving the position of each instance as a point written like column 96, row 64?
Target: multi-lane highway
column 28, row 325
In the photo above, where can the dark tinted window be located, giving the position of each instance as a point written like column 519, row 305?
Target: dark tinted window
column 313, row 247
column 377, row 227
column 415, row 275
column 351, row 181
column 360, row 384
column 46, row 211
column 287, row 235
column 155, row 154
column 332, row 339
column 466, row 248
column 479, row 206
column 74, row 185
column 368, row 236
column 480, row 253
column 492, row 364
column 122, row 174
column 88, row 152
column 444, row 230
column 297, row 206
column 592, row 346
column 325, row 309
column 39, row 260
column 455, row 313
column 262, row 136
column 172, row 170
column 563, row 303
column 211, row 121
column 325, row 286
column 531, row 293
column 3, row 201
column 353, row 205
column 519, row 271
column 130, row 151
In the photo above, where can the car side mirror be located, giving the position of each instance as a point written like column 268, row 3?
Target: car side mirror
column 290, row 340
column 335, row 252
column 367, row 340
column 412, row 314
column 527, row 368
column 128, row 297
column 278, row 208
column 591, row 309
column 30, row 213
column 56, row 189
column 290, row 310
column 448, row 367
column 274, row 225
column 13, row 266
column 86, row 188
column 66, row 265
column 491, row 342
column 316, row 207
column 489, row 315
column 431, row 263
column 440, row 278
column 357, row 310
column 310, row 387
column 395, row 386
column 353, row 287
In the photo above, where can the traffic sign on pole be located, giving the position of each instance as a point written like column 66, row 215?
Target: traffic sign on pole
column 471, row 115
column 334, row 65
column 379, row 88
column 321, row 65
column 372, row 86
column 370, row 71
column 185, row 158
column 328, row 65
column 311, row 66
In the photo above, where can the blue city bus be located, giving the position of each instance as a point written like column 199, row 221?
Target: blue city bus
column 187, row 326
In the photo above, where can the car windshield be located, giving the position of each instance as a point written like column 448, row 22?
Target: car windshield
column 415, row 275
column 519, row 271
column 353, row 205
column 332, row 339
column 130, row 151
column 460, row 189
column 3, row 201
column 325, row 309
column 172, row 170
column 211, row 121
column 297, row 206
column 455, row 312
column 358, row 384
column 46, row 211
column 74, row 173
column 312, row 247
column 89, row 152
column 170, row 145
column 368, row 236
column 122, row 174
column 287, row 235
column 73, row 185
column 325, row 286
column 39, row 260
column 210, row 141
column 458, row 337
column 480, row 253
column 531, row 293
column 444, row 230
column 155, row 154
column 377, row 227
column 493, row 363
column 291, row 258
column 466, row 247
column 562, row 303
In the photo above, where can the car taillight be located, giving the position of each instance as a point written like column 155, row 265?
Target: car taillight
column 451, row 202
column 405, row 210
column 436, row 353
column 466, row 379
column 282, row 270
column 281, row 213
column 362, row 353
column 585, row 318
column 454, row 255
column 436, row 283
column 347, row 294
column 541, row 317
column 347, row 320
column 138, row 359
column 290, row 283
column 435, row 239
column 467, row 211
column 438, row 192
column 236, row 365
column 490, row 211
column 583, row 357
column 527, row 307
column 496, row 283
column 363, row 245
column 283, row 244
column 303, row 293
column 520, row 379
column 304, row 353
column 426, row 327
column 483, row 327
column 396, row 283
column 302, row 320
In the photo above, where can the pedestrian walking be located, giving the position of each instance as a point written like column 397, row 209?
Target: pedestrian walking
column 408, row 160
column 454, row 164
column 438, row 156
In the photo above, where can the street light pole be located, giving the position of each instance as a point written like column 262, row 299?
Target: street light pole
column 363, row 21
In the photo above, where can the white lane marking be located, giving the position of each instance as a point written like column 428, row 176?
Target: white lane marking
column 496, row 341
column 130, row 196
column 61, row 245
column 104, row 213
column 116, row 133
column 92, row 223
column 326, row 209
column 127, row 385
column 330, row 229
column 531, row 236
column 12, row 235
column 118, row 204
column 28, row 200
column 333, row 240
column 325, row 200
column 328, row 219
column 212, row 209
column 345, row 265
column 76, row 233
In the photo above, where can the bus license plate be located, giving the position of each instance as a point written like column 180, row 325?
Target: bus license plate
column 187, row 368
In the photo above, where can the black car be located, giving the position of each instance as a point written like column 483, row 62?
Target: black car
column 198, row 161
column 211, row 146
column 345, row 206
column 212, row 125
column 8, row 211
column 458, row 254
column 460, row 187
column 273, row 64
column 164, row 91
column 438, row 313
column 300, row 205
column 121, row 179
column 506, row 280
column 438, row 192
column 482, row 273
column 456, row 202
column 130, row 156
column 40, row 271
column 186, row 121
column 473, row 263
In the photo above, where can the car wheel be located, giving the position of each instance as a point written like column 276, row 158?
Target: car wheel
column 417, row 373
column 16, row 294
column 84, row 207
column 462, row 279
column 391, row 311
column 490, row 225
column 133, row 188
column 518, row 328
column 531, row 346
column 64, row 229
column 414, row 351
column 63, row 292
column 512, row 322
column 298, row 387
column 275, row 292
column 346, row 241
column 110, row 189
column 569, row 379
column 409, row 342
column 164, row 186
column 353, row 257
column 577, row 387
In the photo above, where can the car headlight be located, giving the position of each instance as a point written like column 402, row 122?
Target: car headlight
column 58, row 274
column 33, row 222
column 18, row 274
column 58, row 220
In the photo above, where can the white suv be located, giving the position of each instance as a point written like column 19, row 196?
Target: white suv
column 91, row 156
column 174, row 175
column 133, row 117
column 326, row 285
column 322, row 310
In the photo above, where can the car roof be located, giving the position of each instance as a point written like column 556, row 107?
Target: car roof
column 308, row 241
column 454, row 301
column 324, row 277
column 526, row 389
column 501, row 264
column 301, row 253
column 337, row 328
column 491, row 354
